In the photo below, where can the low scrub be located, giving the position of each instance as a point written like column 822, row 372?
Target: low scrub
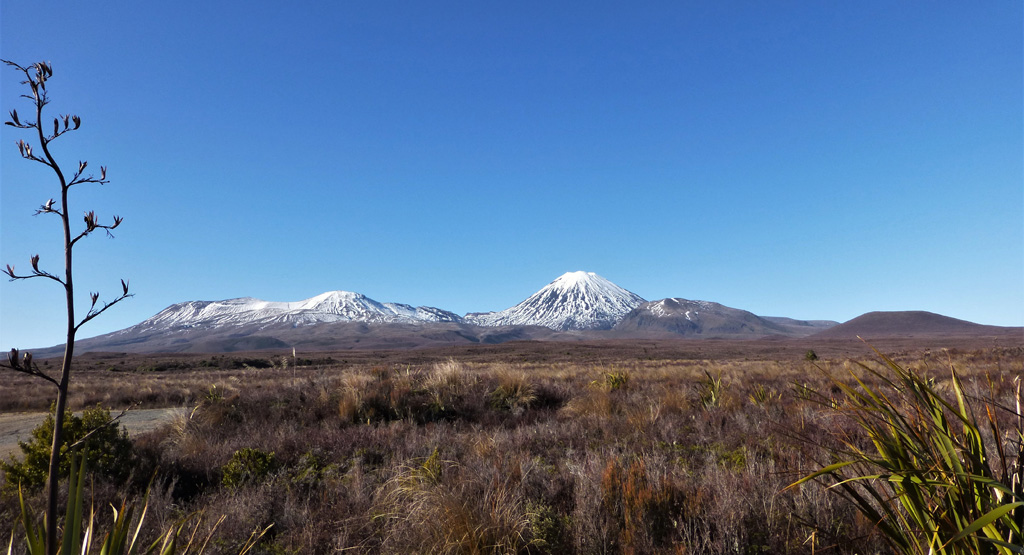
column 248, row 466
column 110, row 450
column 635, row 456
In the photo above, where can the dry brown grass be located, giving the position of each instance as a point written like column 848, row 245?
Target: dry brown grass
column 521, row 455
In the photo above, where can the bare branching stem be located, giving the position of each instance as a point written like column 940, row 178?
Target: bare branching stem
column 36, row 76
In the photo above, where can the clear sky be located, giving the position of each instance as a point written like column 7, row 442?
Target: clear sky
column 816, row 160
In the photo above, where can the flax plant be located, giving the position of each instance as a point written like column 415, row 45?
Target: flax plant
column 122, row 538
column 934, row 477
column 710, row 391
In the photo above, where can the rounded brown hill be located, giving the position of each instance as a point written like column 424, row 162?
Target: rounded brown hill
column 911, row 323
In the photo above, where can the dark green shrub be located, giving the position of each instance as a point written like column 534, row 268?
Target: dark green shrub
column 248, row 465
column 312, row 469
column 549, row 528
column 258, row 363
column 163, row 366
column 811, row 355
column 110, row 450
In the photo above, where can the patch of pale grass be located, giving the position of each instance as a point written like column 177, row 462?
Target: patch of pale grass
column 430, row 506
column 593, row 402
column 448, row 378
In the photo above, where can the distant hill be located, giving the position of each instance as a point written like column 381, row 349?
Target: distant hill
column 910, row 323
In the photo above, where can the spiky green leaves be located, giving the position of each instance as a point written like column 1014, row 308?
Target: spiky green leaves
column 927, row 477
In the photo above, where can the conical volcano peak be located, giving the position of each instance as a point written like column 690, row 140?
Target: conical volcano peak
column 574, row 301
column 583, row 280
column 577, row 276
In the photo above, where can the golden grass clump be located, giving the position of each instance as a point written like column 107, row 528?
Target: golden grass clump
column 431, row 506
column 514, row 392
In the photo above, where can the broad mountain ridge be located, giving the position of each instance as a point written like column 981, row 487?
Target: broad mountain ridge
column 683, row 317
column 333, row 306
column 575, row 306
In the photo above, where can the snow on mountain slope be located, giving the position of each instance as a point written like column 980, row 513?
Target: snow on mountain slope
column 574, row 301
column 333, row 306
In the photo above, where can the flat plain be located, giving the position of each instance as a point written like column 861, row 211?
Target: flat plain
column 523, row 447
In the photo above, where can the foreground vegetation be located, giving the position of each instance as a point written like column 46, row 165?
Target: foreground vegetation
column 630, row 456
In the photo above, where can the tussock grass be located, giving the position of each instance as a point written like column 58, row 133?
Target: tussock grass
column 514, row 392
column 527, row 457
column 422, row 511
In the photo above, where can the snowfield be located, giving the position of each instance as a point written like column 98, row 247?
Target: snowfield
column 333, row 306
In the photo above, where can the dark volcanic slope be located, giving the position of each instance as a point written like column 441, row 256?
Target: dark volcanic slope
column 320, row 337
column 702, row 319
column 801, row 328
column 912, row 323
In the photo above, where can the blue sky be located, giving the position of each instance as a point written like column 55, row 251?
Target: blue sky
column 816, row 160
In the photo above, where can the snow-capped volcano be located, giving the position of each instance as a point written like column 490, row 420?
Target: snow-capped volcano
column 574, row 301
column 333, row 306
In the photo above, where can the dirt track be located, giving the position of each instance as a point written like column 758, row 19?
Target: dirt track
column 18, row 425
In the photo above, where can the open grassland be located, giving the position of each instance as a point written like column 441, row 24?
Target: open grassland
column 549, row 448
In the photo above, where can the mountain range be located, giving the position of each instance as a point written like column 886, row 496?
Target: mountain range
column 575, row 306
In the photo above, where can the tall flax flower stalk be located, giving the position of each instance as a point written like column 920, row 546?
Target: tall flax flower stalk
column 36, row 76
